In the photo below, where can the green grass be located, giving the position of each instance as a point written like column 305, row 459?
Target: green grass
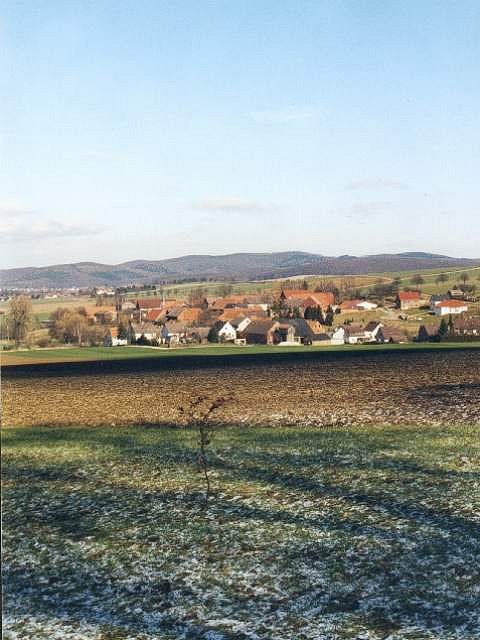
column 336, row 533
column 127, row 352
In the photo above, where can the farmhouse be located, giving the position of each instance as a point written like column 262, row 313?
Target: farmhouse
column 303, row 333
column 285, row 333
column 190, row 315
column 450, row 307
column 111, row 339
column 174, row 332
column 339, row 336
column 392, row 334
column 143, row 304
column 354, row 333
column 152, row 315
column 357, row 305
column 456, row 294
column 372, row 332
column 466, row 327
column 294, row 297
column 408, row 300
column 260, row 332
column 226, row 332
column 145, row 329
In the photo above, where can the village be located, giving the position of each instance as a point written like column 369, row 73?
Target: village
column 285, row 317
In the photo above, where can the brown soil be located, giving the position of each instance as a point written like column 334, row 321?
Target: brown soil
column 422, row 388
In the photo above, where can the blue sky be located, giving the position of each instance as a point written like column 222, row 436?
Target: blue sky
column 156, row 129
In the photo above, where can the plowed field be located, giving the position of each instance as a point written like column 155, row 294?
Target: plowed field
column 435, row 388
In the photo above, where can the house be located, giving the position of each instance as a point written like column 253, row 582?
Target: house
column 302, row 331
column 230, row 313
column 323, row 299
column 450, row 307
column 357, row 305
column 339, row 336
column 127, row 306
column 408, row 300
column 260, row 332
column 316, row 326
column 152, row 315
column 145, row 329
column 355, row 333
column 190, row 315
column 466, row 327
column 434, row 300
column 256, row 302
column 240, row 323
column 372, row 331
column 111, row 339
column 285, row 334
column 143, row 304
column 391, row 334
column 173, row 313
column 225, row 331
column 174, row 332
column 456, row 294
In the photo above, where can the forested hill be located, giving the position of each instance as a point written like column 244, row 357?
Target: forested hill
column 236, row 266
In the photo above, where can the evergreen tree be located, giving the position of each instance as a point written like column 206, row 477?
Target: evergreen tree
column 329, row 316
column 451, row 324
column 122, row 331
column 213, row 335
column 442, row 329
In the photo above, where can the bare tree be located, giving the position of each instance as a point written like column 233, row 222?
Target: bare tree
column 417, row 279
column 197, row 413
column 442, row 277
column 19, row 318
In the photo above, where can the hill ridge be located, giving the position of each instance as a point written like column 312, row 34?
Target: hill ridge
column 231, row 266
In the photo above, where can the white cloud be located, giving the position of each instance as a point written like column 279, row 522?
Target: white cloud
column 377, row 183
column 19, row 224
column 232, row 205
column 283, row 115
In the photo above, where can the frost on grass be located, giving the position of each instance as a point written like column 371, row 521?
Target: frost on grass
column 366, row 533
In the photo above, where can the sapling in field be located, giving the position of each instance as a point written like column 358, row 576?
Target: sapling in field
column 197, row 413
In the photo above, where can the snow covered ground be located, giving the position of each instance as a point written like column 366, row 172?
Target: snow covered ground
column 339, row 533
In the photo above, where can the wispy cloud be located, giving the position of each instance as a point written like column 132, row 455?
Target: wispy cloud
column 12, row 211
column 362, row 210
column 283, row 115
column 232, row 205
column 19, row 224
column 376, row 184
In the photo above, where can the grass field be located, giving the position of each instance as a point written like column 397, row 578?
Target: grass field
column 72, row 354
column 334, row 534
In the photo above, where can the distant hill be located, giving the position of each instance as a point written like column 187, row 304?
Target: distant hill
column 235, row 266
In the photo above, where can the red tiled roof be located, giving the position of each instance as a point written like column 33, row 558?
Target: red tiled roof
column 350, row 304
column 152, row 315
column 149, row 303
column 321, row 298
column 409, row 295
column 190, row 315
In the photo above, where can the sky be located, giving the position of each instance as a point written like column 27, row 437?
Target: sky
column 150, row 129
